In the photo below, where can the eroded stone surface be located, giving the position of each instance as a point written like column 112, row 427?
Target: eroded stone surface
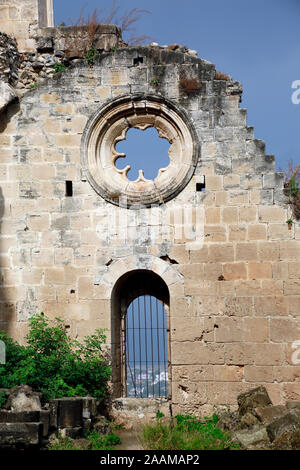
column 252, row 399
column 288, row 422
column 20, row 435
column 133, row 412
column 23, row 398
column 7, row 95
column 257, row 436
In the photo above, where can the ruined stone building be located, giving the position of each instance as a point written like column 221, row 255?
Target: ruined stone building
column 208, row 237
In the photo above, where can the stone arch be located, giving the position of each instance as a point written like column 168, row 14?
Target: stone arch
column 160, row 273
column 168, row 272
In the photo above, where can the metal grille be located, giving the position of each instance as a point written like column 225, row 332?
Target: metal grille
column 146, row 348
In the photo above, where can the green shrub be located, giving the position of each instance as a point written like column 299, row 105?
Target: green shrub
column 95, row 440
column 185, row 433
column 59, row 67
column 3, row 398
column 55, row 364
column 91, row 55
column 102, row 441
column 62, row 443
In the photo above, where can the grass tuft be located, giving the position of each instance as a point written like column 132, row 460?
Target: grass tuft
column 93, row 441
column 185, row 432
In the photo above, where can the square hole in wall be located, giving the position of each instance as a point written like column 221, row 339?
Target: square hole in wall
column 69, row 188
column 138, row 60
column 200, row 187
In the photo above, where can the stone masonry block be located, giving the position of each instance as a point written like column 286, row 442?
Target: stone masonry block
column 257, row 232
column 260, row 270
column 66, row 412
column 272, row 214
column 20, row 435
column 234, row 271
column 271, row 305
column 228, row 330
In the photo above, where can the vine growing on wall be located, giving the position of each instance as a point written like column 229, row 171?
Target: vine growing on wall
column 292, row 189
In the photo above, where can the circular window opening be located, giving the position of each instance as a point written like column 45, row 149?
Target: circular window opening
column 143, row 150
column 109, row 126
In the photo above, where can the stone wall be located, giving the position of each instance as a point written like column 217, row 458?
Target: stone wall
column 64, row 46
column 30, row 46
column 234, row 301
column 9, row 59
column 21, row 19
column 233, row 314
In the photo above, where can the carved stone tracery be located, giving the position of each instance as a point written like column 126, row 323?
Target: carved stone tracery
column 110, row 125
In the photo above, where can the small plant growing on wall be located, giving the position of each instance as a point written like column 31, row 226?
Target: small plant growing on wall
column 221, row 76
column 80, row 45
column 292, row 188
column 91, row 55
column 59, row 67
column 154, row 82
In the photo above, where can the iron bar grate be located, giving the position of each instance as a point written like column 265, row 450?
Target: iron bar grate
column 146, row 348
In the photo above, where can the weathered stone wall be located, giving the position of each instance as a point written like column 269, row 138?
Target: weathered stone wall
column 21, row 19
column 9, row 59
column 30, row 46
column 234, row 301
column 62, row 45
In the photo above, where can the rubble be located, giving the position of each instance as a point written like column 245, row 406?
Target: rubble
column 263, row 427
column 25, row 424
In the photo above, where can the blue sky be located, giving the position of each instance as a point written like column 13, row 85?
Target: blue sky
column 256, row 42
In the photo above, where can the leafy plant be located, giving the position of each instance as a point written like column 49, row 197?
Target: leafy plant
column 59, row 67
column 289, row 171
column 154, row 82
column 95, row 441
column 33, row 85
column 55, row 364
column 3, row 398
column 102, row 442
column 62, row 443
column 92, row 53
column 186, row 433
column 292, row 187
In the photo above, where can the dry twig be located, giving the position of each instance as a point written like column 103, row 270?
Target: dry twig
column 127, row 22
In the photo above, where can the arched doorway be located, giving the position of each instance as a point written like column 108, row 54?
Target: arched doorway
column 140, row 336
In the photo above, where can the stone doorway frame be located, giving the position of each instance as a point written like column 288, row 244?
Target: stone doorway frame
column 123, row 267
